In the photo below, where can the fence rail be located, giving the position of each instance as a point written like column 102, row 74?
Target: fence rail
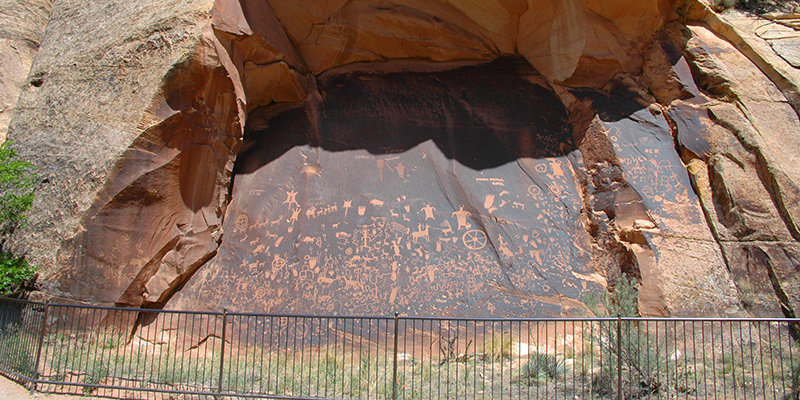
column 141, row 353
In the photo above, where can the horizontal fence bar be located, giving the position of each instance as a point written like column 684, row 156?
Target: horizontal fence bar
column 133, row 353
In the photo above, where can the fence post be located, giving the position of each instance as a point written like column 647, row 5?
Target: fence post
column 394, row 367
column 39, row 350
column 619, row 357
column 222, row 351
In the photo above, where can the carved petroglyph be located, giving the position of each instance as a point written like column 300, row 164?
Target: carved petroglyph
column 462, row 215
column 291, row 199
column 420, row 241
column 474, row 239
column 401, row 170
column 448, row 229
column 241, row 222
column 295, row 215
column 421, row 233
column 428, row 210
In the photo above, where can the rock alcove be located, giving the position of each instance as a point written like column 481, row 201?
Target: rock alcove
column 480, row 158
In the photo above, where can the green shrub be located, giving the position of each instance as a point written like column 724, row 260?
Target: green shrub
column 17, row 183
column 16, row 189
column 14, row 271
column 540, row 367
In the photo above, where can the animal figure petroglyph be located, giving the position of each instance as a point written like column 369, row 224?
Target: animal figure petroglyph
column 421, row 234
column 448, row 228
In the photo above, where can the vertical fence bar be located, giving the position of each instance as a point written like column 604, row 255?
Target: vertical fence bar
column 619, row 357
column 35, row 376
column 394, row 366
column 222, row 351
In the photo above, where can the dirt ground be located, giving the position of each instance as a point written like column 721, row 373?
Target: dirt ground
column 10, row 390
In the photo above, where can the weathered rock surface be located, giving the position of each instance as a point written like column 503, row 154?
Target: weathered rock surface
column 462, row 157
column 21, row 31
column 133, row 131
column 466, row 203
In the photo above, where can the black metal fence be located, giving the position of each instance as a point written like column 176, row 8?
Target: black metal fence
column 137, row 353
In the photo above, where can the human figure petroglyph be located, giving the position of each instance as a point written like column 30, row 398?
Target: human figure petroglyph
column 428, row 210
column 348, row 204
column 295, row 215
column 291, row 198
column 396, row 248
column 401, row 169
column 461, row 216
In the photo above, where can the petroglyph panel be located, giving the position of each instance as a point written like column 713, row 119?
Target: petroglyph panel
column 424, row 193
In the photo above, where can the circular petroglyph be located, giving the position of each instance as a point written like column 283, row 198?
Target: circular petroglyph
column 534, row 190
column 278, row 263
column 474, row 239
column 241, row 222
column 541, row 168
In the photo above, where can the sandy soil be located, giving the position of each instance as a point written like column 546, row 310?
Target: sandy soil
column 10, row 390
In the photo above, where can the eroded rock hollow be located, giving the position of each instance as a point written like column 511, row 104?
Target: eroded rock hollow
column 466, row 158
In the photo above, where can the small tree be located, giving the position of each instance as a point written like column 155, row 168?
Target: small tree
column 631, row 347
column 17, row 183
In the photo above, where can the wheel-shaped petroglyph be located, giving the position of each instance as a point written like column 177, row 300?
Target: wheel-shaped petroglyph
column 241, row 222
column 474, row 239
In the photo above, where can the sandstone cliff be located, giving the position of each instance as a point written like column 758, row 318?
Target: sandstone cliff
column 465, row 157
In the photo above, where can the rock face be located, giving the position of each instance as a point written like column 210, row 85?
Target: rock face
column 466, row 202
column 458, row 157
column 20, row 35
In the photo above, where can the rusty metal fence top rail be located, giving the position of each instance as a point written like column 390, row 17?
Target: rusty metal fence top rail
column 148, row 353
